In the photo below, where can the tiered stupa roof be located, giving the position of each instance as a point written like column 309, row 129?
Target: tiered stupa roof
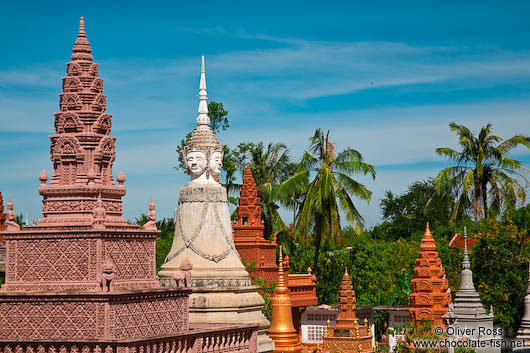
column 348, row 335
column 430, row 297
column 82, row 151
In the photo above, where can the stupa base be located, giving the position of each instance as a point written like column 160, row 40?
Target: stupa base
column 72, row 316
column 217, row 303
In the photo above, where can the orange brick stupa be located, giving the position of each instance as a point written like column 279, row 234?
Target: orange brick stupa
column 248, row 232
column 253, row 247
column 347, row 335
column 430, row 297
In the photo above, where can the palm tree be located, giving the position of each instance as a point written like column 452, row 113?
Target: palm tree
column 332, row 182
column 268, row 166
column 483, row 169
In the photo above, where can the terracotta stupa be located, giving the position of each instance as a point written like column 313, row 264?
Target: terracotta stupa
column 348, row 335
column 282, row 330
column 248, row 232
column 430, row 297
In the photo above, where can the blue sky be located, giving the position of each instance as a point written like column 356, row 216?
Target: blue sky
column 385, row 78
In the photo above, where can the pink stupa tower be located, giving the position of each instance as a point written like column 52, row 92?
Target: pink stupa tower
column 82, row 273
column 82, row 197
column 82, row 151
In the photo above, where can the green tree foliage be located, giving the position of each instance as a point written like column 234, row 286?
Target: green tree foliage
column 19, row 219
column 269, row 164
column 500, row 269
column 331, row 189
column 407, row 213
column 519, row 218
column 483, row 168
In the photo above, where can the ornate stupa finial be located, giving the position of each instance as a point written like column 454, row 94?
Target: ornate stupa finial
column 43, row 177
column 427, row 242
column 281, row 287
column 203, row 118
column 82, row 47
column 203, row 153
column 466, row 264
column 282, row 330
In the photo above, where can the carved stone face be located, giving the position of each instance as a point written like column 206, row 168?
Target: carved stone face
column 196, row 162
column 216, row 163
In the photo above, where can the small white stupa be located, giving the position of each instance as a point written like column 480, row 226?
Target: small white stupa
column 470, row 314
column 523, row 333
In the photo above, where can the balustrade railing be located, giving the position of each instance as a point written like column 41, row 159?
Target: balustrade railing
column 241, row 338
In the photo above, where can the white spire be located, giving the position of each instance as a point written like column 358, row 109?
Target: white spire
column 465, row 264
column 203, row 118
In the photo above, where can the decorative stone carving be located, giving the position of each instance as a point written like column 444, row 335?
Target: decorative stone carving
column 99, row 214
column 183, row 277
column 11, row 225
column 103, row 124
column 107, row 275
column 151, row 216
